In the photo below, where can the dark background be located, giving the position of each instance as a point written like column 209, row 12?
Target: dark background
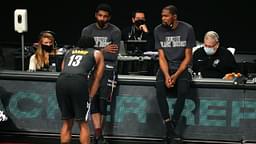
column 233, row 20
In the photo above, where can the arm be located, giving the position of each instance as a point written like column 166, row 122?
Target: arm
column 233, row 63
column 32, row 63
column 164, row 67
column 62, row 65
column 113, row 48
column 191, row 42
column 64, row 59
column 184, row 64
column 85, row 31
column 232, row 69
column 195, row 62
column 98, row 73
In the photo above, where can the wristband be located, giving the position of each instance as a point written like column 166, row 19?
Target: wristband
column 90, row 98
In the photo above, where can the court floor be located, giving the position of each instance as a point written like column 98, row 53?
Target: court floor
column 29, row 139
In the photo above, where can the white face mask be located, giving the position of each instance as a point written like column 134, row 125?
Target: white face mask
column 209, row 51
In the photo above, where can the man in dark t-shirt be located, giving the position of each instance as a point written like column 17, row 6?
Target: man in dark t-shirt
column 72, row 87
column 174, row 41
column 107, row 37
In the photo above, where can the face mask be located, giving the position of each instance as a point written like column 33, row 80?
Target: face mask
column 209, row 51
column 139, row 22
column 47, row 48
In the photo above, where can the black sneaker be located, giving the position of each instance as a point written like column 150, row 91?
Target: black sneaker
column 94, row 140
column 171, row 133
column 100, row 140
column 170, row 140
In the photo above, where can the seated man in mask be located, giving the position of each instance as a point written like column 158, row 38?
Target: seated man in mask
column 213, row 61
column 139, row 30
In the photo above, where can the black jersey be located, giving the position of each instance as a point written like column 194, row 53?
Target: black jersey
column 79, row 61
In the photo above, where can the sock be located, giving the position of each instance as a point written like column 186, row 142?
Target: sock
column 98, row 132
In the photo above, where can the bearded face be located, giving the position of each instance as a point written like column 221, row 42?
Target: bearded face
column 102, row 18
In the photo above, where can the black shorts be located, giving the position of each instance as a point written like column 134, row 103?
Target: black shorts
column 72, row 95
column 105, row 93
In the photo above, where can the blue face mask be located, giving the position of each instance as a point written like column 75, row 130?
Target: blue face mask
column 209, row 51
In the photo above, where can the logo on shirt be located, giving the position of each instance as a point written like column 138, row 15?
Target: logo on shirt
column 101, row 42
column 215, row 62
column 172, row 41
column 3, row 117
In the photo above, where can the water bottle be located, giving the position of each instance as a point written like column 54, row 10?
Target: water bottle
column 52, row 67
column 199, row 75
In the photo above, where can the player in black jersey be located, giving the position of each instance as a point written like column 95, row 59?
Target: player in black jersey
column 74, row 94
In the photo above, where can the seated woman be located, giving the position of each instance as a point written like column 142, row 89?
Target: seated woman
column 45, row 48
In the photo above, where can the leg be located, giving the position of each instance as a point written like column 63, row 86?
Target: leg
column 66, row 132
column 97, row 120
column 183, row 86
column 100, row 105
column 98, row 126
column 164, row 107
column 99, row 138
column 84, row 133
column 161, row 92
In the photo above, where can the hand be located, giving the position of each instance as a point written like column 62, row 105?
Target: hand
column 88, row 106
column 168, row 82
column 143, row 28
column 171, row 81
column 230, row 76
column 111, row 48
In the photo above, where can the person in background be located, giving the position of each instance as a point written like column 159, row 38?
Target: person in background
column 213, row 61
column 139, row 30
column 45, row 48
column 107, row 37
column 74, row 93
column 174, row 40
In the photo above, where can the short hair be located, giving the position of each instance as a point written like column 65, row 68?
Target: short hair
column 137, row 11
column 213, row 35
column 86, row 42
column 104, row 7
column 172, row 9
